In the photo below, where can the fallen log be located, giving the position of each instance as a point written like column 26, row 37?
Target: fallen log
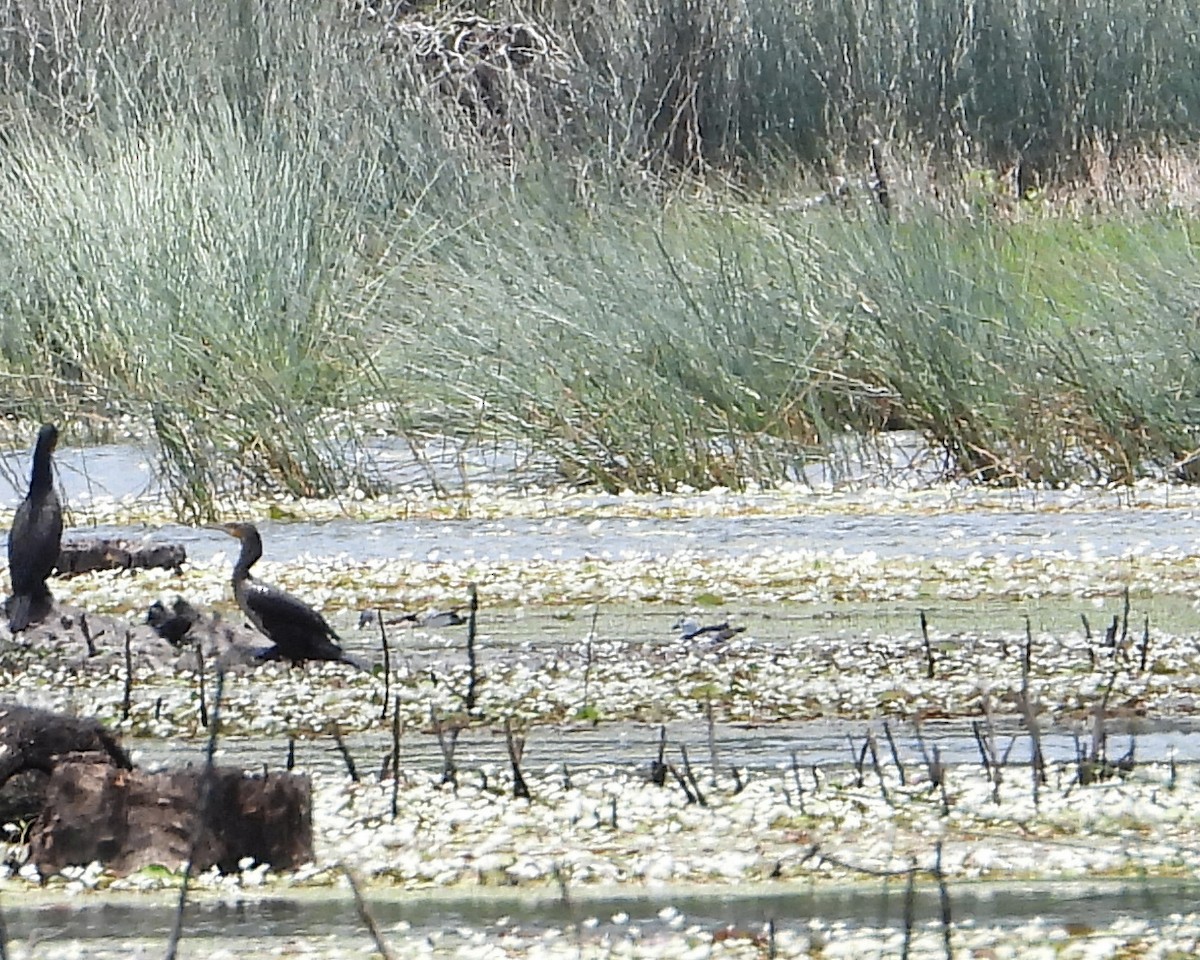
column 84, row 556
column 127, row 819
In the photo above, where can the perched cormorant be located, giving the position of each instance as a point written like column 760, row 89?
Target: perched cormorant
column 297, row 630
column 35, row 539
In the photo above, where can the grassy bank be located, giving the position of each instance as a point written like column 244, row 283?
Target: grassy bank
column 247, row 233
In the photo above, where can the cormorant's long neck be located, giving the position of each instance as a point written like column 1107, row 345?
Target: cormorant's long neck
column 42, row 479
column 251, row 551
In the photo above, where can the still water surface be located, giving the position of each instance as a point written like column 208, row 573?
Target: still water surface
column 1098, row 524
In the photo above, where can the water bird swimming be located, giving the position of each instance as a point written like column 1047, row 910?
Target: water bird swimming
column 35, row 539
column 297, row 631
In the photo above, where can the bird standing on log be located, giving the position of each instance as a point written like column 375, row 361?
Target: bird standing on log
column 35, row 539
column 297, row 630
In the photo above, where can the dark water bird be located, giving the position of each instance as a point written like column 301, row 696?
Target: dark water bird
column 172, row 624
column 35, row 539
column 297, row 631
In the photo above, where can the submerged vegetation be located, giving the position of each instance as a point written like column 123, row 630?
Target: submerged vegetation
column 645, row 241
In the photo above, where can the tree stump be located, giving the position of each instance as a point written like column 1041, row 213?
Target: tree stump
column 126, row 819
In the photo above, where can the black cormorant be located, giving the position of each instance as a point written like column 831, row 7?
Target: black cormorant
column 297, row 630
column 172, row 625
column 35, row 539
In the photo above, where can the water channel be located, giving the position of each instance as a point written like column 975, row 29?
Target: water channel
column 1098, row 524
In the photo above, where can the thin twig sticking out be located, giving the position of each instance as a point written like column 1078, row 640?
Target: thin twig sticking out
column 1099, row 752
column 201, row 817
column 929, row 665
column 712, row 740
column 1037, row 760
column 365, row 915
column 516, row 750
column 1144, row 658
column 738, row 784
column 992, row 759
column 395, row 758
column 814, row 851
column 564, row 891
column 910, row 907
column 127, row 701
column 88, row 639
column 658, row 768
column 877, row 766
column 200, row 681
column 447, row 742
column 1027, row 656
column 683, row 784
column 1125, row 618
column 387, row 664
column 935, row 769
column 944, row 898
column 887, row 732
column 799, row 785
column 687, row 769
column 859, row 757
column 587, row 662
column 345, row 752
column 472, row 665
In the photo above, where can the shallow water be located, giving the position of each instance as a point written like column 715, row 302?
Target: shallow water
column 1096, row 524
column 644, row 915
column 765, row 751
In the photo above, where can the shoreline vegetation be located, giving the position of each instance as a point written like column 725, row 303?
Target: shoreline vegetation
column 659, row 246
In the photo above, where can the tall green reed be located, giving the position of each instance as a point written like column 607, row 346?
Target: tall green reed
column 251, row 226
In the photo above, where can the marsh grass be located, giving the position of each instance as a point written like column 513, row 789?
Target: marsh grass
column 268, row 234
column 712, row 345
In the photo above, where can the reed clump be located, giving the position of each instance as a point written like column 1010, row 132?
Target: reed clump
column 644, row 241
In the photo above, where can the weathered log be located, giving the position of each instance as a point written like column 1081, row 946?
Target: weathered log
column 129, row 819
column 33, row 739
column 84, row 556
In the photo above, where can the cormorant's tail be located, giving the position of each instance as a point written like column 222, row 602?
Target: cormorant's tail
column 19, row 608
column 28, row 608
column 354, row 661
